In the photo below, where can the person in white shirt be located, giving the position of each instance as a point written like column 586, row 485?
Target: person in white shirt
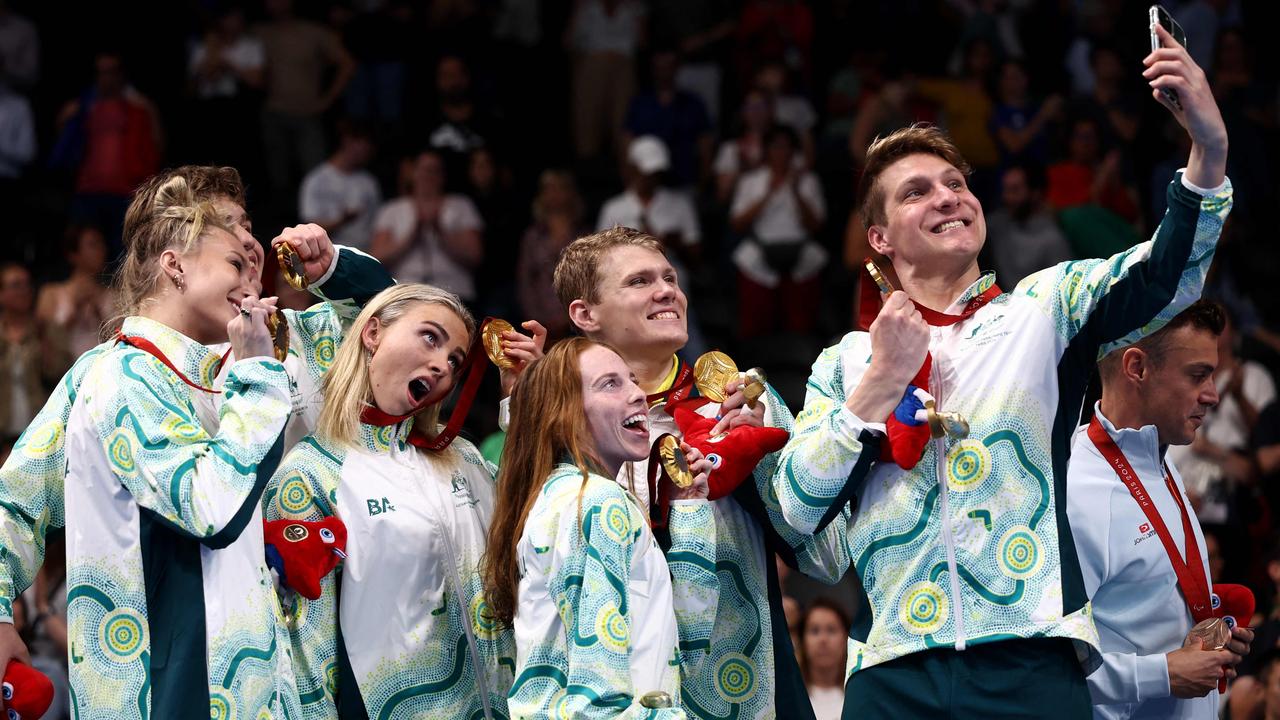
column 647, row 206
column 430, row 236
column 341, row 196
column 1155, row 393
column 779, row 209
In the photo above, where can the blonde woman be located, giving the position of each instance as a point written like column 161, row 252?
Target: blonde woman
column 572, row 565
column 416, row 637
column 170, row 607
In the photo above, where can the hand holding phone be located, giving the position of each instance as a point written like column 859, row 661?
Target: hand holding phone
column 1159, row 16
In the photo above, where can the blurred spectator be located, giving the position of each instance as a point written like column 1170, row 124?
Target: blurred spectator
column 1098, row 21
column 29, row 362
column 880, row 114
column 225, row 69
column 491, row 190
column 1021, row 128
column 603, row 36
column 339, row 194
column 1266, row 455
column 847, row 89
column 745, row 152
column 967, row 112
column 73, row 311
column 775, row 31
column 1022, row 234
column 300, row 55
column 557, row 221
column 110, row 139
column 17, row 134
column 789, row 109
column 1091, row 180
column 381, row 40
column 429, row 236
column 779, row 210
column 1201, row 20
column 646, row 205
column 459, row 126
column 19, row 48
column 824, row 631
column 677, row 118
column 700, row 29
column 1111, row 102
column 1218, row 462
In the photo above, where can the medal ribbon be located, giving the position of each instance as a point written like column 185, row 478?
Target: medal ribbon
column 679, row 389
column 473, row 368
column 871, row 302
column 1190, row 571
column 150, row 348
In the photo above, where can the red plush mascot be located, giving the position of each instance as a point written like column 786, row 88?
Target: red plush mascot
column 27, row 692
column 302, row 553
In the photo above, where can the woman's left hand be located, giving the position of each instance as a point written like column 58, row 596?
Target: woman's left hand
column 734, row 410
column 522, row 350
column 700, row 467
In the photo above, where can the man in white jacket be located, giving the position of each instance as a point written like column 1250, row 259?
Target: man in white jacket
column 1147, row 576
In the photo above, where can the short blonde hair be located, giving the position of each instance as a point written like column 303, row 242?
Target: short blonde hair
column 207, row 183
column 577, row 274
column 179, row 223
column 917, row 139
column 347, row 389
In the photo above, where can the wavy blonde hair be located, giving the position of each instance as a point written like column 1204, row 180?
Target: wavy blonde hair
column 179, row 222
column 347, row 389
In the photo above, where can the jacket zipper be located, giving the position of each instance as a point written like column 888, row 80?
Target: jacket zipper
column 948, row 538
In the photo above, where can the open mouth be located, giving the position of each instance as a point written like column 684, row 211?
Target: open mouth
column 419, row 388
column 638, row 423
column 949, row 225
column 665, row 315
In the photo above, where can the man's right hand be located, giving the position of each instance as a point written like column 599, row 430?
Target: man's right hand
column 899, row 344
column 1194, row 671
column 11, row 648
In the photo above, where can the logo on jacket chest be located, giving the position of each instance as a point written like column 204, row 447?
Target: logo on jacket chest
column 461, row 492
column 1144, row 531
column 379, row 506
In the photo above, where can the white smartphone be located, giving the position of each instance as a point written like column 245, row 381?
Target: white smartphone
column 1159, row 16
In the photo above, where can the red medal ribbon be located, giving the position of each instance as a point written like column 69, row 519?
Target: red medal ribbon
column 1190, row 571
column 679, row 389
column 870, row 303
column 150, row 348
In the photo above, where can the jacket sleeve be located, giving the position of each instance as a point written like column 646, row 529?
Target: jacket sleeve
column 352, row 281
column 31, row 487
column 303, row 489
column 1117, row 301
column 695, row 584
column 1129, row 678
column 822, row 555
column 206, row 487
column 597, row 613
column 830, row 452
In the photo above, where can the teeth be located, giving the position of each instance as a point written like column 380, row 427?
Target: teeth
column 949, row 226
column 635, row 420
column 665, row 315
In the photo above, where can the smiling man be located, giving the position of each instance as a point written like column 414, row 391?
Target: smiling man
column 1154, row 394
column 975, row 604
column 620, row 289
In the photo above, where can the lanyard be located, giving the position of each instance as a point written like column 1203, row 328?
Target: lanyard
column 1190, row 571
column 679, row 389
column 150, row 348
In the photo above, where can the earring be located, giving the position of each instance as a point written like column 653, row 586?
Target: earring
column 179, row 283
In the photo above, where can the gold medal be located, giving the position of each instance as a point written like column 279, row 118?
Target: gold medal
column 492, row 338
column 673, row 461
column 279, row 329
column 755, row 380
column 291, row 266
column 656, row 699
column 886, row 287
column 1212, row 633
column 712, row 372
column 945, row 423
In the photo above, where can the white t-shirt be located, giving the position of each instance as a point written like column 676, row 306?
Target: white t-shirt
column 245, row 53
column 668, row 212
column 427, row 261
column 827, row 702
column 327, row 193
column 780, row 219
column 599, row 31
